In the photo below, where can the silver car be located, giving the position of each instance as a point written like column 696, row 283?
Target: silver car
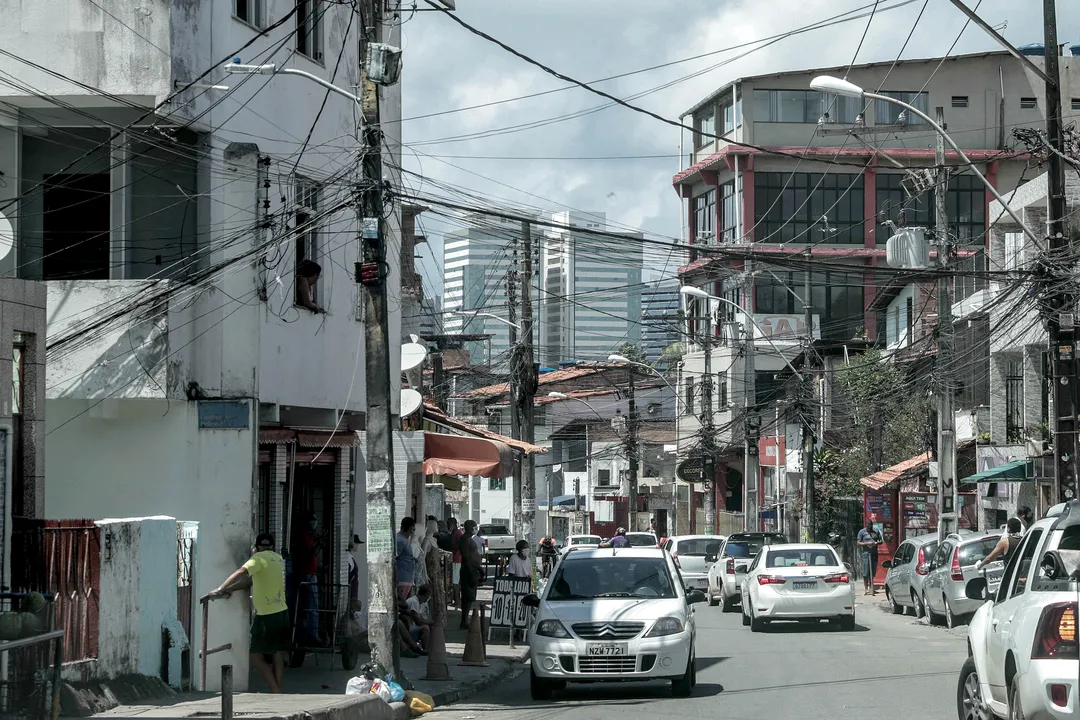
column 727, row 569
column 906, row 573
column 689, row 553
column 952, row 566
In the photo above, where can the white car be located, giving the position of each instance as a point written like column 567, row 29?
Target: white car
column 689, row 552
column 613, row 614
column 1024, row 660
column 797, row 582
column 576, row 541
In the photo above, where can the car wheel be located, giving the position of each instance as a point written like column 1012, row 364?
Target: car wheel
column 745, row 617
column 756, row 624
column 713, row 601
column 917, row 608
column 951, row 620
column 932, row 616
column 1016, row 709
column 681, row 687
column 969, row 700
column 847, row 623
column 539, row 688
column 897, row 608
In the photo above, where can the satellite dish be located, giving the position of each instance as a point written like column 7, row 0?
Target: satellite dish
column 411, row 401
column 412, row 355
column 7, row 237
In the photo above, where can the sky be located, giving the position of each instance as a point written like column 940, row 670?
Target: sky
column 487, row 151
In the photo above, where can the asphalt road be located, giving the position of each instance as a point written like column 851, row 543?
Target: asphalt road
column 889, row 667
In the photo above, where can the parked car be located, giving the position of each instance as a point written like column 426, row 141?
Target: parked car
column 613, row 615
column 797, row 582
column 1022, row 641
column 950, row 570
column 727, row 568
column 907, row 570
column 574, row 541
column 689, row 553
column 498, row 539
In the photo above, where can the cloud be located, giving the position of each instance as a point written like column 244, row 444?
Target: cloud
column 448, row 68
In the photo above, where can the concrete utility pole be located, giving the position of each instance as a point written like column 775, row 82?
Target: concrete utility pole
column 809, row 496
column 708, row 430
column 372, row 270
column 524, row 383
column 946, row 455
column 631, row 448
column 751, row 433
column 1062, row 321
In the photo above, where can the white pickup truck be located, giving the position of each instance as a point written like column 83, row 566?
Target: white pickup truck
column 498, row 540
column 1023, row 648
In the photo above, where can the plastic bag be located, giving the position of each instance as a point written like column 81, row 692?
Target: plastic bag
column 359, row 685
column 397, row 693
column 382, row 689
column 419, row 703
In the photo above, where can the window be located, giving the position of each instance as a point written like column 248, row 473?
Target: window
column 804, row 106
column 836, row 297
column 307, row 231
column 705, row 216
column 943, row 554
column 721, row 389
column 309, row 14
column 616, row 577
column 706, row 127
column 1028, row 103
column 1014, row 251
column 1076, row 103
column 959, row 101
column 727, row 108
column 18, row 370
column 895, row 204
column 496, row 484
column 688, row 399
column 1014, row 401
column 886, row 113
column 768, row 387
column 966, row 207
column 788, row 207
column 729, row 216
column 603, row 477
column 249, row 11
column 909, row 319
column 1027, row 554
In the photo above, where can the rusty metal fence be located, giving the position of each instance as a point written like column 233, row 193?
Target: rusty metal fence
column 62, row 558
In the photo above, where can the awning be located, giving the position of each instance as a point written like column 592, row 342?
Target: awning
column 461, row 455
column 1015, row 471
column 308, row 438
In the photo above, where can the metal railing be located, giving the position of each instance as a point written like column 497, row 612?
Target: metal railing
column 23, row 693
column 204, row 652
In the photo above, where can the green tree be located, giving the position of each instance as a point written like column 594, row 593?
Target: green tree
column 671, row 356
column 632, row 352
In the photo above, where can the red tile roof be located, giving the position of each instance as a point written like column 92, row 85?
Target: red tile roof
column 549, row 378
column 905, row 470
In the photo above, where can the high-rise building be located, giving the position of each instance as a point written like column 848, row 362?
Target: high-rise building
column 660, row 318
column 590, row 289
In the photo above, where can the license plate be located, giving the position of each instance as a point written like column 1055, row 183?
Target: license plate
column 804, row 584
column 606, row 649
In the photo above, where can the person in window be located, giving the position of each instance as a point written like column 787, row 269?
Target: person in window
column 306, row 276
column 1005, row 545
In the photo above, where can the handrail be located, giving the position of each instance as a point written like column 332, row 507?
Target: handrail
column 56, row 636
column 28, row 641
column 203, row 651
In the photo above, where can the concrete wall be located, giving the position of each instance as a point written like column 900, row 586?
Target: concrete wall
column 149, row 457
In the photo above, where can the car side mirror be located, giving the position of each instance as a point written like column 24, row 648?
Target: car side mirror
column 710, row 557
column 976, row 589
column 695, row 596
column 531, row 600
column 887, row 564
column 1053, row 567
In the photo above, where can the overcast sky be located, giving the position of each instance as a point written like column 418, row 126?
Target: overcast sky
column 447, row 68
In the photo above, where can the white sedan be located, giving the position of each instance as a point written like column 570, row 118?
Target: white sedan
column 797, row 582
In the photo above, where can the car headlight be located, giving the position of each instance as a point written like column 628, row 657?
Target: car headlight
column 551, row 628
column 665, row 626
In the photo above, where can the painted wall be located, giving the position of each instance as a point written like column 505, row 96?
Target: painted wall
column 148, row 458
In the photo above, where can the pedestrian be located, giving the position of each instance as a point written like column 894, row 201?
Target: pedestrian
column 1026, row 517
column 264, row 573
column 619, row 541
column 405, row 558
column 519, row 562
column 311, row 544
column 869, row 539
column 455, row 574
column 470, row 571
column 1005, row 546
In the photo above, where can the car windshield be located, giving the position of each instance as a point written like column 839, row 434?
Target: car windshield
column 612, row 577
column 743, row 548
column 490, row 530
column 641, row 540
column 973, row 552
column 585, row 541
column 697, row 546
column 802, row 558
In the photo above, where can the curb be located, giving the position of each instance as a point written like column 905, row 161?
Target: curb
column 449, row 697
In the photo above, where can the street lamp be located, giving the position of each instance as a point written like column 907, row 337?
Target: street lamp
column 829, row 84
column 477, row 313
column 623, row 360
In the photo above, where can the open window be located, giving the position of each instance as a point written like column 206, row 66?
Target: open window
column 307, row 240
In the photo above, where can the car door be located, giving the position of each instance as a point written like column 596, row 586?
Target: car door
column 894, row 579
column 749, row 583
column 902, row 585
column 934, row 587
column 1010, row 595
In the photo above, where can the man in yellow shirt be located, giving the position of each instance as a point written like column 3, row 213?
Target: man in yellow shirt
column 264, row 573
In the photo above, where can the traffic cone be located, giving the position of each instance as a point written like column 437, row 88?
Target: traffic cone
column 475, row 654
column 436, row 659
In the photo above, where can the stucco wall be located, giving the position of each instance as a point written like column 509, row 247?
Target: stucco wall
column 150, row 458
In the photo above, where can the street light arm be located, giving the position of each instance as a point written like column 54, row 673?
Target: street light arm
column 627, row 361
column 952, row 143
column 493, row 316
column 271, row 69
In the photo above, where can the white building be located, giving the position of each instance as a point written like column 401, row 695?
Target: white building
column 168, row 221
column 590, row 290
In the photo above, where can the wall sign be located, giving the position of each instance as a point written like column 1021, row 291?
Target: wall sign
column 224, row 415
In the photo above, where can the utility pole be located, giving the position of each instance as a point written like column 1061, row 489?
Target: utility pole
column 751, row 432
column 524, row 383
column 809, row 496
column 379, row 471
column 631, row 448
column 708, row 428
column 1062, row 321
column 946, row 455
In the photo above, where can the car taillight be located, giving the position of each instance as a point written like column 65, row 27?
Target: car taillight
column 957, row 573
column 1055, row 637
column 837, row 578
column 770, row 580
column 731, row 566
column 923, row 567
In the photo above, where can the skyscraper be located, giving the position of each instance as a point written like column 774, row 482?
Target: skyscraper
column 660, row 318
column 590, row 290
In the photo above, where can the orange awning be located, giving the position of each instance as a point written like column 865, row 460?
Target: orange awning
column 460, row 455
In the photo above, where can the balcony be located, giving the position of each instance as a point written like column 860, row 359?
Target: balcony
column 106, row 341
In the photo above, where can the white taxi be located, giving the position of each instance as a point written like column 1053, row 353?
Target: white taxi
column 797, row 582
column 613, row 614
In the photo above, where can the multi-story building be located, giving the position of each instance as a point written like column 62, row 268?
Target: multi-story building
column 476, row 261
column 590, row 289
column 171, row 222
column 661, row 319
column 805, row 177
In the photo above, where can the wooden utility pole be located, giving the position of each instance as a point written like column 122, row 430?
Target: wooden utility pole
column 946, row 454
column 524, row 382
column 379, row 471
